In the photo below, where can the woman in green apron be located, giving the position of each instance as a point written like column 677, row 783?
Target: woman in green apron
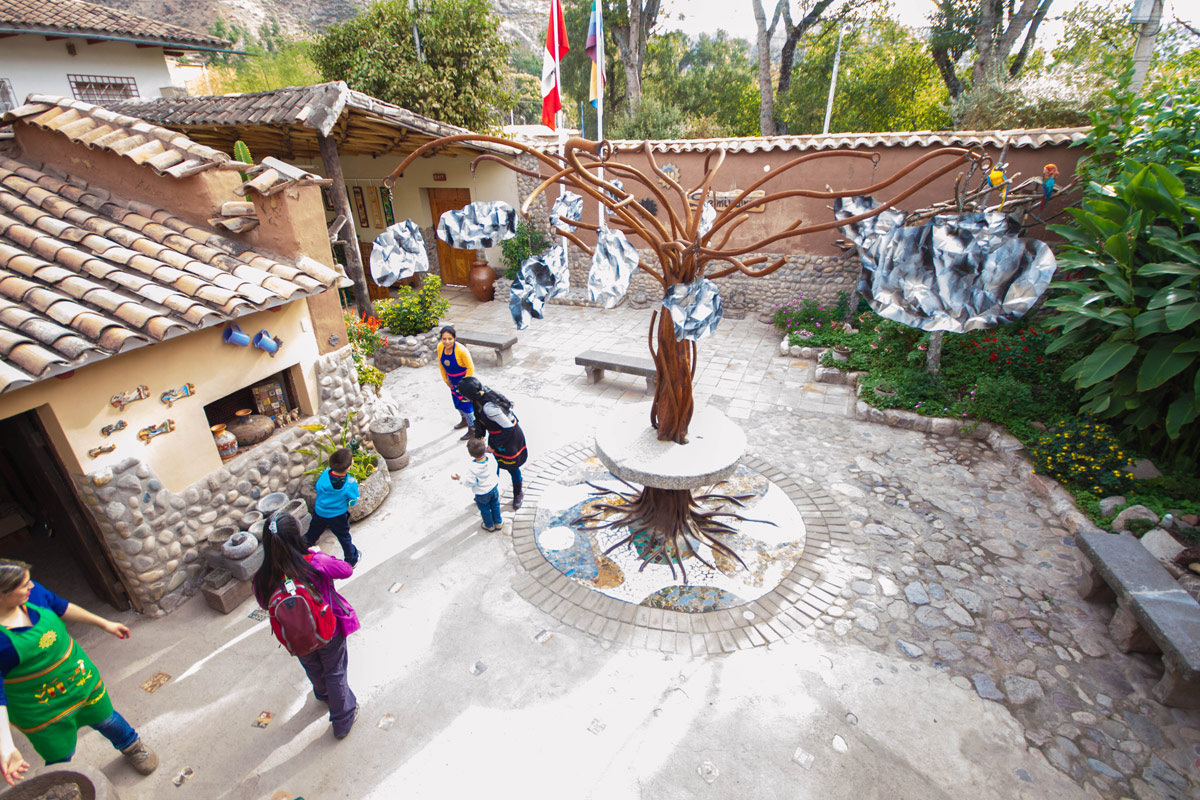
column 51, row 687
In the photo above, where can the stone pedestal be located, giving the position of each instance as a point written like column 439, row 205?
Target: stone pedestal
column 630, row 449
column 390, row 436
column 227, row 597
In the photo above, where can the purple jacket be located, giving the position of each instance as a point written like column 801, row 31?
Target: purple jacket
column 328, row 569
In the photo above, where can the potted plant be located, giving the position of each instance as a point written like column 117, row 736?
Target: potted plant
column 367, row 467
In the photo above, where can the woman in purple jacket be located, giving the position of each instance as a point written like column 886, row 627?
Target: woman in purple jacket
column 286, row 556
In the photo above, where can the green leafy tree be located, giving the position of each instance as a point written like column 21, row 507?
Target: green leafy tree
column 983, row 33
column 1133, row 261
column 288, row 63
column 459, row 76
column 709, row 80
column 886, row 82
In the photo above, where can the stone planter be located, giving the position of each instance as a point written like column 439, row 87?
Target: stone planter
column 88, row 782
column 372, row 491
column 390, row 437
column 840, row 353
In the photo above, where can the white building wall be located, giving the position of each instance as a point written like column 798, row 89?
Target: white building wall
column 34, row 65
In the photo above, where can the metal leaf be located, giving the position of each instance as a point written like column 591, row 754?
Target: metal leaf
column 613, row 264
column 478, row 225
column 695, row 308
column 568, row 206
column 399, row 253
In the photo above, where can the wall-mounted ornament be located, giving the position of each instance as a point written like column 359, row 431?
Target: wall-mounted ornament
column 234, row 335
column 109, row 430
column 96, row 452
column 267, row 343
column 150, row 431
column 133, row 395
column 171, row 395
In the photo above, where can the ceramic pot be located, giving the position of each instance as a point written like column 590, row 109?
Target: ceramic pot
column 250, row 429
column 227, row 443
column 480, row 281
column 841, row 353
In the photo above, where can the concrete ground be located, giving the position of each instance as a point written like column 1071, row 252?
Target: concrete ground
column 955, row 661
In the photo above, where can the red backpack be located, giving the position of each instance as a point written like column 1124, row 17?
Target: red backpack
column 302, row 622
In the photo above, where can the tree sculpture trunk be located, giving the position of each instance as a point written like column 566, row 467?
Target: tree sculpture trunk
column 673, row 405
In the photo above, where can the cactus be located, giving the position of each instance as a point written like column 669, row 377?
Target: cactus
column 241, row 152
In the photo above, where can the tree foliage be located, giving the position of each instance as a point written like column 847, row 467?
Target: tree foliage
column 288, row 63
column 985, row 33
column 1133, row 254
column 886, row 82
column 459, row 77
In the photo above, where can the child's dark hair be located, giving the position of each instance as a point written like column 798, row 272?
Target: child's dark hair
column 341, row 459
column 283, row 556
column 447, row 329
column 476, row 447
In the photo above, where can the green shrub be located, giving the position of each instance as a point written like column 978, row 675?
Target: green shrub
column 529, row 241
column 1083, row 454
column 364, row 460
column 412, row 312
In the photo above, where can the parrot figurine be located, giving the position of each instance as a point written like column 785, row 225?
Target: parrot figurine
column 998, row 181
column 1049, row 173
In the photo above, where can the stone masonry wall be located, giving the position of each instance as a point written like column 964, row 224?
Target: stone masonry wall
column 155, row 535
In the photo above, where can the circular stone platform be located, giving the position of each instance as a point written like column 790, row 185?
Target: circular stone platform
column 631, row 450
column 787, row 601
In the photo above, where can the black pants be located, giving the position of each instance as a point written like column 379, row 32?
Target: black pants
column 341, row 529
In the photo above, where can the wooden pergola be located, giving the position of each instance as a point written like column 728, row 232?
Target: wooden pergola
column 299, row 123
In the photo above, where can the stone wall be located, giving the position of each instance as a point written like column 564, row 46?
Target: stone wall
column 155, row 535
column 820, row 277
column 408, row 351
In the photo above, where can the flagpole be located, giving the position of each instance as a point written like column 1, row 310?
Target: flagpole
column 599, row 67
column 555, row 14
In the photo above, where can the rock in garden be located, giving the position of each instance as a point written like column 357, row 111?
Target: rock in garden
column 1161, row 544
column 1143, row 469
column 1109, row 504
column 1131, row 513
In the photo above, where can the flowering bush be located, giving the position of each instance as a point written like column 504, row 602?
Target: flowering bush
column 1082, row 454
column 808, row 322
column 365, row 339
column 412, row 312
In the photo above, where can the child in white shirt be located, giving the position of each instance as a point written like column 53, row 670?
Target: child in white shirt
column 481, row 479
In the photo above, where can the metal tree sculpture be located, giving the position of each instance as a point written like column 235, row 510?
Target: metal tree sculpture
column 684, row 251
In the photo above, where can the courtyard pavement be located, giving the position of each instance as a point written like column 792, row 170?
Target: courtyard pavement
column 937, row 649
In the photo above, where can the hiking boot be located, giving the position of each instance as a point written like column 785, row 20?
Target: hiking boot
column 140, row 757
column 345, row 733
column 466, row 435
column 518, row 498
column 462, row 423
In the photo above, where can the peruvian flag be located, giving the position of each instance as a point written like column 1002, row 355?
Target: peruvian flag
column 556, row 48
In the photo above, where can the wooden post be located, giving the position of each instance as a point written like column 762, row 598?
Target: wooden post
column 349, row 232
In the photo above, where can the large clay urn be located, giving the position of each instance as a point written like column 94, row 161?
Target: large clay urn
column 480, row 280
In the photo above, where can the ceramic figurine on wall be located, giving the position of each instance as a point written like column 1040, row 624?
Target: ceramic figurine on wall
column 171, row 395
column 150, row 431
column 133, row 395
column 96, row 452
column 109, row 430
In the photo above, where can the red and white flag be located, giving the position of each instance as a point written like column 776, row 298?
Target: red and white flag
column 556, row 48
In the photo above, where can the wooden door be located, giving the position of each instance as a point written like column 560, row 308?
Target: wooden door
column 374, row 290
column 27, row 445
column 456, row 264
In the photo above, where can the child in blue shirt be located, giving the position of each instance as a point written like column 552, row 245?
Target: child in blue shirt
column 336, row 492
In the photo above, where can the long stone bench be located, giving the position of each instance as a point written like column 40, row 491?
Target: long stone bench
column 500, row 342
column 596, row 363
column 1154, row 613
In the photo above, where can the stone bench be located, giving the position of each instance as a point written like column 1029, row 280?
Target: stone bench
column 596, row 363
column 500, row 342
column 1154, row 613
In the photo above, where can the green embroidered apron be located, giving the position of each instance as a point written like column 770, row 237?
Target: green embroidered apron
column 55, row 689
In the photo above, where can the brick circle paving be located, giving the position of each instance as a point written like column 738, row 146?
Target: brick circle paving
column 799, row 599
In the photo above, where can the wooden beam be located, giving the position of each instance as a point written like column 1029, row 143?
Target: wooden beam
column 54, row 38
column 348, row 233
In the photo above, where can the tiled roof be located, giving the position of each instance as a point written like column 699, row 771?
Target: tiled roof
column 1039, row 137
column 166, row 152
column 74, row 18
column 85, row 275
column 284, row 122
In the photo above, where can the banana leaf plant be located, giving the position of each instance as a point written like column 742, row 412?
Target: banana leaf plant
column 326, row 445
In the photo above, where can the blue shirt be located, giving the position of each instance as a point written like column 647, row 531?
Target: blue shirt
column 333, row 502
column 40, row 596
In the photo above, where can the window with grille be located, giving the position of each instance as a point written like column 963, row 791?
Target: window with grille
column 102, row 88
column 8, row 98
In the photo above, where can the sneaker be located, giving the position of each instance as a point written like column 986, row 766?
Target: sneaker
column 357, row 557
column 345, row 733
column 140, row 757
